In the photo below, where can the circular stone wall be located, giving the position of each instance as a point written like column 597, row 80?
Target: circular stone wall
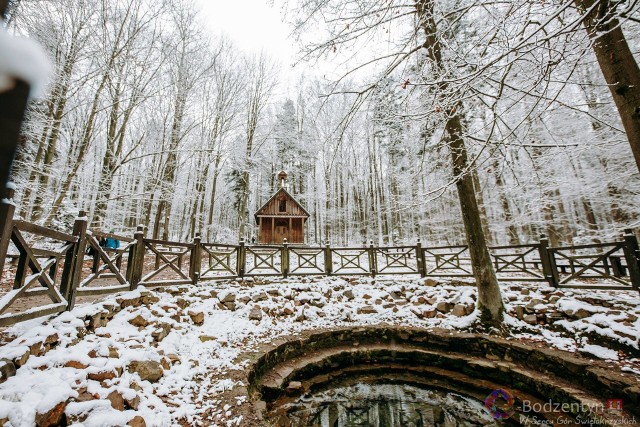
column 547, row 386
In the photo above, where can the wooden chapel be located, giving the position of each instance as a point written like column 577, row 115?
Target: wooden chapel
column 281, row 217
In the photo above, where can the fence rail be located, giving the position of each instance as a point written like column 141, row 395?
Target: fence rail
column 50, row 268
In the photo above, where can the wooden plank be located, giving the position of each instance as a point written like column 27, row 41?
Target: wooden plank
column 112, row 236
column 165, row 283
column 589, row 246
column 44, row 231
column 168, row 243
column 11, row 318
column 596, row 287
column 102, row 290
column 33, row 263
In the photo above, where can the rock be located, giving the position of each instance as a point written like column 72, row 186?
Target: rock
column 197, row 317
column 96, row 321
column 519, row 312
column 459, row 310
column 139, row 321
column 22, row 359
column 443, row 307
column 348, row 294
column 227, row 296
column 256, row 313
column 581, row 313
column 525, row 291
column 132, row 403
column 245, row 299
column 205, row 338
column 7, row 369
column 117, row 401
column 84, row 396
column 148, row 370
column 366, row 296
column 294, row 387
column 113, row 353
column 396, row 295
column 137, row 421
column 534, row 302
column 287, row 310
column 148, row 298
column 430, row 282
column 173, row 358
column 260, row 296
column 367, row 309
column 75, row 364
column 102, row 375
column 35, row 349
column 230, row 306
column 128, row 302
column 424, row 314
column 555, row 315
column 52, row 417
column 182, row 303
column 51, row 339
column 531, row 319
column 161, row 332
column 164, row 362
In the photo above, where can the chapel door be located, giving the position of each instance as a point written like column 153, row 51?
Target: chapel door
column 281, row 231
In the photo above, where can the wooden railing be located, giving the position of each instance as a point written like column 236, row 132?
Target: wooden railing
column 50, row 268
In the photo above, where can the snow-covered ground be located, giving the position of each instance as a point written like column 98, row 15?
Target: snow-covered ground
column 172, row 356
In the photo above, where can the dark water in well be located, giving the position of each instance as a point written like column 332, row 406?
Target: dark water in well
column 387, row 405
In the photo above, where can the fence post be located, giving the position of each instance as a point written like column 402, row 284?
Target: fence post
column 547, row 260
column 631, row 254
column 422, row 268
column 373, row 259
column 242, row 252
column 196, row 259
column 74, row 260
column 7, row 208
column 136, row 259
column 285, row 258
column 328, row 262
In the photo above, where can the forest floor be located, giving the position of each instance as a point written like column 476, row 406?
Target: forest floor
column 179, row 355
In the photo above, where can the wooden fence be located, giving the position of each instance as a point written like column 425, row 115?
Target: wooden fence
column 50, row 268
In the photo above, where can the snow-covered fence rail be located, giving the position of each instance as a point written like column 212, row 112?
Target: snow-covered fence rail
column 616, row 263
column 36, row 276
column 53, row 267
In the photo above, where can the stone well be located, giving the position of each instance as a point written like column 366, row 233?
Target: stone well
column 464, row 365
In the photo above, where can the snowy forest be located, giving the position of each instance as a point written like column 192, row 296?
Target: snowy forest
column 149, row 119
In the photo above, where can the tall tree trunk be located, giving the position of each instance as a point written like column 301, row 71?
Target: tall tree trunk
column 489, row 296
column 619, row 67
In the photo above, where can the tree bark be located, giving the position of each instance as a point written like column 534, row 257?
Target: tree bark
column 489, row 296
column 619, row 68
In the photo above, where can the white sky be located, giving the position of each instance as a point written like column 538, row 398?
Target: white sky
column 252, row 25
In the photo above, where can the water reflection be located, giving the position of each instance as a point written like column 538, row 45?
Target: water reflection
column 386, row 405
